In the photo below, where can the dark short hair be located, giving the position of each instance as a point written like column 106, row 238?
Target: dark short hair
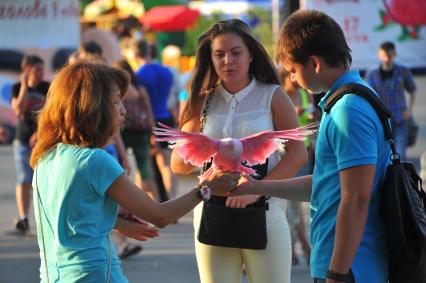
column 153, row 51
column 388, row 46
column 308, row 32
column 31, row 60
column 91, row 47
column 141, row 48
column 122, row 64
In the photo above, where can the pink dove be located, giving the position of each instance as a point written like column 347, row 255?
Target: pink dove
column 228, row 153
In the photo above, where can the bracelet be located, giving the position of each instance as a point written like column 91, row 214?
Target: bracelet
column 339, row 277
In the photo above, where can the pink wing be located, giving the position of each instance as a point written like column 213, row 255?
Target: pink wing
column 194, row 148
column 258, row 147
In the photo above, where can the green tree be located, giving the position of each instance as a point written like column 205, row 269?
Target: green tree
column 192, row 35
column 148, row 4
column 263, row 30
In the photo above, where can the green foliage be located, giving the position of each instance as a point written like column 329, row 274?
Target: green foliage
column 262, row 31
column 148, row 4
column 192, row 35
column 83, row 4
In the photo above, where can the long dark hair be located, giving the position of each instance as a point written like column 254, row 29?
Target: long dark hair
column 124, row 65
column 205, row 78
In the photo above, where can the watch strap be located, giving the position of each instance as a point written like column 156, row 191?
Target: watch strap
column 336, row 276
column 205, row 193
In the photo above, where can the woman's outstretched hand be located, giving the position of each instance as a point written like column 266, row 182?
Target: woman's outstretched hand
column 221, row 182
column 139, row 230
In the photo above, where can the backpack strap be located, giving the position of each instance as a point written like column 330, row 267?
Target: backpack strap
column 382, row 111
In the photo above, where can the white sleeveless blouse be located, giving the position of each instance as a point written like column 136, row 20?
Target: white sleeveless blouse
column 239, row 115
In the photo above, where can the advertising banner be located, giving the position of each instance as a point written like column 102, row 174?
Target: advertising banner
column 368, row 23
column 39, row 24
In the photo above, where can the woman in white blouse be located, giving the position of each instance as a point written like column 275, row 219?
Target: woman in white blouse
column 236, row 76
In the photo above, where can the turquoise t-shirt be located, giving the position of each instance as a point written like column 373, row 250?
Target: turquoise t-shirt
column 350, row 135
column 77, row 214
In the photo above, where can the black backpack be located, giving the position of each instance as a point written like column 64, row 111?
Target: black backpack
column 402, row 201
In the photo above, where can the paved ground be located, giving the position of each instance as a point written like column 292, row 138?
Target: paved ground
column 167, row 259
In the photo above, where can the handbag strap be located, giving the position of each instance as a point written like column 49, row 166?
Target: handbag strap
column 203, row 121
column 43, row 242
column 203, row 117
column 41, row 227
column 382, row 111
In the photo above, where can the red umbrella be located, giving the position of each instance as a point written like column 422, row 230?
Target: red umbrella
column 169, row 18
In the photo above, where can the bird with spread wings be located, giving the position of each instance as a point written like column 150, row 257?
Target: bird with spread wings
column 229, row 154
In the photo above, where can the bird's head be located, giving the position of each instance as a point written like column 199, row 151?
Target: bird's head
column 231, row 148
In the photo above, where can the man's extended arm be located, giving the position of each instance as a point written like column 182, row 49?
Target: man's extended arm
column 298, row 189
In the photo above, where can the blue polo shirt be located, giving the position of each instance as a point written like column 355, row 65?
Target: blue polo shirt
column 350, row 135
column 158, row 81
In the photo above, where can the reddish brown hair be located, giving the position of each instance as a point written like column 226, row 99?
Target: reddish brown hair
column 79, row 108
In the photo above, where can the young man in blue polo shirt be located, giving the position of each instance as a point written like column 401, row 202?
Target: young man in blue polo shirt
column 347, row 235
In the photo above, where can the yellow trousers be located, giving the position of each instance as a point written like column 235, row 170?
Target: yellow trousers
column 272, row 265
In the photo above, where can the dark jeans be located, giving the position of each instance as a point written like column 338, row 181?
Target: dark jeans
column 350, row 280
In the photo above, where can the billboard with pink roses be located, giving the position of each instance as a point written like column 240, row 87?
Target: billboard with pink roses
column 368, row 23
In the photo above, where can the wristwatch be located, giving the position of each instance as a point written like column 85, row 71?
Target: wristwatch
column 338, row 277
column 205, row 193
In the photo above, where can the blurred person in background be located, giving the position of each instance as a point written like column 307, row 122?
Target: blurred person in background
column 170, row 57
column 157, row 80
column 90, row 51
column 162, row 192
column 7, row 133
column 295, row 213
column 27, row 98
column 137, row 129
column 390, row 81
column 73, row 58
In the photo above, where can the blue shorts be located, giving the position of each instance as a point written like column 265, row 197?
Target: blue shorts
column 21, row 154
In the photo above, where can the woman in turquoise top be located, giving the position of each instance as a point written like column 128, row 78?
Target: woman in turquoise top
column 78, row 186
